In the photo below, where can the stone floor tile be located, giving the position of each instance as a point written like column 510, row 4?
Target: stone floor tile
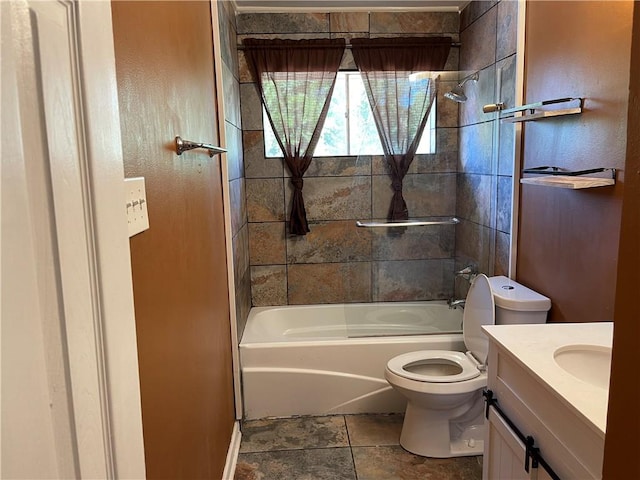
column 392, row 462
column 374, row 430
column 293, row 433
column 313, row 464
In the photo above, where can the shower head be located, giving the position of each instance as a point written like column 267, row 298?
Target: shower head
column 457, row 93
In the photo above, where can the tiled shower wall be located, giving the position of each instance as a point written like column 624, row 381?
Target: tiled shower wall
column 235, row 160
column 339, row 262
column 484, row 184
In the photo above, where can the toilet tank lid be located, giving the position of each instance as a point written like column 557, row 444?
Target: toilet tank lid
column 511, row 295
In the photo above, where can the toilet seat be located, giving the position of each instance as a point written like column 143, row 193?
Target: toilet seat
column 400, row 366
column 479, row 310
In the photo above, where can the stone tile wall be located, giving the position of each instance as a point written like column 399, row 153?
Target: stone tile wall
column 484, row 182
column 235, row 160
column 338, row 262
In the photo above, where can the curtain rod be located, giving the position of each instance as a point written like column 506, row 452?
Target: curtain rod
column 453, row 44
column 348, row 46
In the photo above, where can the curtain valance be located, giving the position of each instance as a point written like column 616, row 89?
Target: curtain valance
column 404, row 54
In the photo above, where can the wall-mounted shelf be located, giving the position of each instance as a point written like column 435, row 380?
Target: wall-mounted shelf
column 574, row 107
column 556, row 177
column 573, row 183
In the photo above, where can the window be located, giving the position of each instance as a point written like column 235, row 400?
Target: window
column 349, row 128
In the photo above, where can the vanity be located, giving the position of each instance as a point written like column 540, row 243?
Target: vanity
column 547, row 398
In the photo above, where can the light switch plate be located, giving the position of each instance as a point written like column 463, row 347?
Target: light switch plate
column 136, row 202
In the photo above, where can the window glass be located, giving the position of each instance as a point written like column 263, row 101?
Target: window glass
column 349, row 128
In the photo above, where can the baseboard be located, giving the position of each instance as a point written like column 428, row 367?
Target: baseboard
column 232, row 453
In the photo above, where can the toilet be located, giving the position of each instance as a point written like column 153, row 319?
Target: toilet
column 444, row 416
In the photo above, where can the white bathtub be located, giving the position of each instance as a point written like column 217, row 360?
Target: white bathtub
column 301, row 360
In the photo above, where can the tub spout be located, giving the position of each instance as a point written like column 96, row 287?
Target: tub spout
column 456, row 303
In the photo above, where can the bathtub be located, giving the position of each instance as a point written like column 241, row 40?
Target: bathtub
column 330, row 359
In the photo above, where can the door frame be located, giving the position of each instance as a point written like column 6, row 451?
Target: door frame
column 518, row 138
column 107, row 421
column 113, row 258
column 220, row 96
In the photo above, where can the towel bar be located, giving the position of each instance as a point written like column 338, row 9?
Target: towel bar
column 185, row 145
column 408, row 223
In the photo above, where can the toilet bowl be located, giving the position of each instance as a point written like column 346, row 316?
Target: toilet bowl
column 444, row 415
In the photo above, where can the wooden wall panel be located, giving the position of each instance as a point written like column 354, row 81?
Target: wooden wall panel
column 621, row 448
column 164, row 61
column 568, row 240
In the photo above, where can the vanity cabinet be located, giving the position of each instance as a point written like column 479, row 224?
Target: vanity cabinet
column 568, row 442
column 504, row 452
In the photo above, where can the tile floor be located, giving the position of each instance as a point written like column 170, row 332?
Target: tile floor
column 340, row 447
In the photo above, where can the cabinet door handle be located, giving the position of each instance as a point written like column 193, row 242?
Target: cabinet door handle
column 531, row 452
column 489, row 400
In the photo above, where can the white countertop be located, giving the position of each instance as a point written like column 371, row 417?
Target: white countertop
column 533, row 347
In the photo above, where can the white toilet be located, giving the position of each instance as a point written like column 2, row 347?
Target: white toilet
column 444, row 416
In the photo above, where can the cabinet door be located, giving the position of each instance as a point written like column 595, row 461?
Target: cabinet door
column 542, row 474
column 504, row 452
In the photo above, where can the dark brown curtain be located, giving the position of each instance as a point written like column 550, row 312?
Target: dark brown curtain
column 295, row 79
column 400, row 101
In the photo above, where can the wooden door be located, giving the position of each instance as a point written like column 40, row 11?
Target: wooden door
column 164, row 63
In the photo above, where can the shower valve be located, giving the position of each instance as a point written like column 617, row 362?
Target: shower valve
column 468, row 273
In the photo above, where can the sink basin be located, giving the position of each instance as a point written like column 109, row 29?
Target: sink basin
column 589, row 363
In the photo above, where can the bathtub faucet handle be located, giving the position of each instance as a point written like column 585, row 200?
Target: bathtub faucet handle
column 468, row 273
column 456, row 303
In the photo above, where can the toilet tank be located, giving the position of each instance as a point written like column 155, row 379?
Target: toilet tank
column 516, row 303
